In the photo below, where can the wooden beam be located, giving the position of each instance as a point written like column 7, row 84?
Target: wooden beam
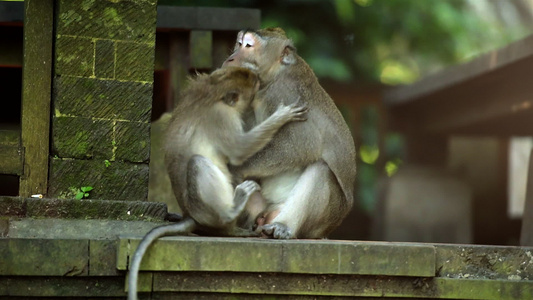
column 489, row 95
column 207, row 18
column 11, row 12
column 36, row 95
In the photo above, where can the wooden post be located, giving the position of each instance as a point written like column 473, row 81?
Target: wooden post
column 526, row 235
column 178, row 66
column 36, row 95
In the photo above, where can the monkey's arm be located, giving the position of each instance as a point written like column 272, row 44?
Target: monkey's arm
column 249, row 143
column 294, row 146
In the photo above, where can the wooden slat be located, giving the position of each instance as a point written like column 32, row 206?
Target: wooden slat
column 37, row 84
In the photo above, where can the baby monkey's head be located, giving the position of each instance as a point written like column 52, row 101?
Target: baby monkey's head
column 235, row 86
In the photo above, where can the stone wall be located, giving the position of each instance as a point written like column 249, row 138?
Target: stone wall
column 103, row 84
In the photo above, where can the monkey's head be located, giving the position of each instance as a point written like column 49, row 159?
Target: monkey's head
column 235, row 86
column 266, row 51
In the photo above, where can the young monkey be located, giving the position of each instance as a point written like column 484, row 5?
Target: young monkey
column 204, row 135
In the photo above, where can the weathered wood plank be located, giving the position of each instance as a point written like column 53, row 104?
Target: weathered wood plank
column 207, row 18
column 295, row 256
column 36, row 95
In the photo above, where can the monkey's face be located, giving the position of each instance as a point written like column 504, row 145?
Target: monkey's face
column 266, row 52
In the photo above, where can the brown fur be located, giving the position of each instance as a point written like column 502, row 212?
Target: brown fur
column 324, row 139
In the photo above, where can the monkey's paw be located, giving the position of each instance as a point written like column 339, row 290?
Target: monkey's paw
column 277, row 231
column 242, row 194
column 248, row 187
column 298, row 111
column 292, row 112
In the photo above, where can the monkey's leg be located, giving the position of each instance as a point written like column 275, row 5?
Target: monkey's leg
column 313, row 207
column 212, row 201
column 210, row 193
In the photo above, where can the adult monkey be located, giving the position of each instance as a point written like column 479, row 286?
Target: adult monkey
column 307, row 172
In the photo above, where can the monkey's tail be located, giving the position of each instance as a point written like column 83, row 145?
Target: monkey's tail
column 187, row 225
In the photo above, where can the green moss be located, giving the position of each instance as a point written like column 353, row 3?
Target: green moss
column 70, row 17
column 112, row 17
column 87, row 4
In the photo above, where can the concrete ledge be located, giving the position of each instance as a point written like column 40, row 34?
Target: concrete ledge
column 230, row 268
column 291, row 256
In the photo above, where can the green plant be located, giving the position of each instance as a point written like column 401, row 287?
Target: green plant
column 83, row 192
column 107, row 163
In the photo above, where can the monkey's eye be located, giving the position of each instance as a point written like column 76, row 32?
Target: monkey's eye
column 248, row 45
column 231, row 98
column 240, row 44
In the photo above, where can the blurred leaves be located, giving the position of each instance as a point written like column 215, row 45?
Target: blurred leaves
column 388, row 41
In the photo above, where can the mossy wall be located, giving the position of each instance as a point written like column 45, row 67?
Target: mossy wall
column 103, row 84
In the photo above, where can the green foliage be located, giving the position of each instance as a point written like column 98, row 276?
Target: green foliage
column 387, row 41
column 107, row 163
column 83, row 192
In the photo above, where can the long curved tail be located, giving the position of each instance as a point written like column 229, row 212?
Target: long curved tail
column 186, row 226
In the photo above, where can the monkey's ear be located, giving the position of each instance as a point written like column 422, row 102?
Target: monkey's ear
column 231, row 98
column 288, row 55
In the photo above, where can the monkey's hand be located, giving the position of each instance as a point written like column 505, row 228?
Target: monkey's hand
column 277, row 231
column 293, row 112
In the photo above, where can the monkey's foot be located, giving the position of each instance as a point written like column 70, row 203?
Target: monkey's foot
column 277, row 231
column 242, row 194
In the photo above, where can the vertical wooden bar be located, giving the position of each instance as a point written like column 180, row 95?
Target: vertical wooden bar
column 36, row 95
column 178, row 66
column 201, row 49
column 526, row 235
column 223, row 43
